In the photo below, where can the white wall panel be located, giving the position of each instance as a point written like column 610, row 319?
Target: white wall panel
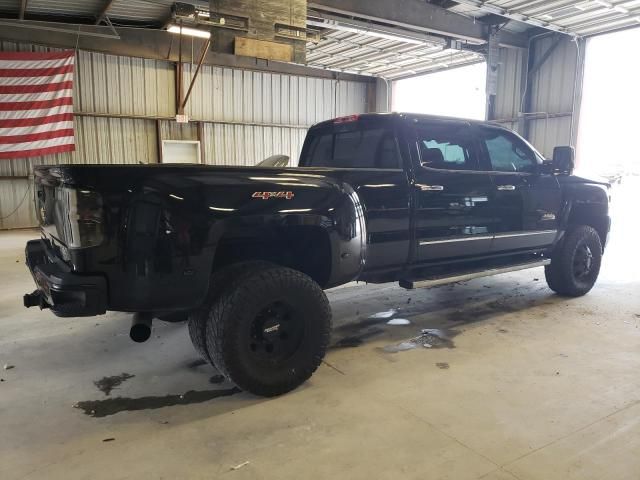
column 228, row 95
column 245, row 145
column 123, row 85
column 16, row 195
column 554, row 90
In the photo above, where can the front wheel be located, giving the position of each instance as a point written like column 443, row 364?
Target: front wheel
column 575, row 265
column 270, row 332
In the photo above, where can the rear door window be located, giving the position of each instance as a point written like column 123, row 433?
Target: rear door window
column 446, row 146
column 351, row 147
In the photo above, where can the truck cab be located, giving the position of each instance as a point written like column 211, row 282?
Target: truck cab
column 443, row 196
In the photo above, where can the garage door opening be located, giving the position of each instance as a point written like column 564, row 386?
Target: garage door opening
column 459, row 92
column 607, row 139
column 611, row 99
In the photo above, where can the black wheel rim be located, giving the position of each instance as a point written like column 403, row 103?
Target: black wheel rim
column 582, row 261
column 276, row 333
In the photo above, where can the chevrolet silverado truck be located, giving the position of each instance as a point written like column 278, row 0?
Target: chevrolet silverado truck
column 245, row 253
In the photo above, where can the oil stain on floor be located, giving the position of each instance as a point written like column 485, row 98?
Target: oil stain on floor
column 106, row 384
column 111, row 406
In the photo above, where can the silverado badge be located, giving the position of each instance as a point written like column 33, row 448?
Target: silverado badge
column 268, row 195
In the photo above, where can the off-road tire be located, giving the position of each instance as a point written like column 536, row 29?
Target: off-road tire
column 220, row 280
column 561, row 272
column 238, row 342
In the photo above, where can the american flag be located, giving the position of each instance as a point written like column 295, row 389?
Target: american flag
column 36, row 103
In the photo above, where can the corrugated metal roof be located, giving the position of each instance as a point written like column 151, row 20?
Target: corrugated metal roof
column 369, row 55
column 140, row 10
column 75, row 8
column 582, row 17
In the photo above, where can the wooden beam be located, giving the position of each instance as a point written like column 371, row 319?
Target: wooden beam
column 250, row 47
column 104, row 11
column 23, row 9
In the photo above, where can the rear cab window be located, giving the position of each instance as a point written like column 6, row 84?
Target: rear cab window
column 352, row 143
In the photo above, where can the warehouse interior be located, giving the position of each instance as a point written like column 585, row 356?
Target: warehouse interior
column 514, row 382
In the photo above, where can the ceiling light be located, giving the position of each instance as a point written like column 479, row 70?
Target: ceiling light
column 192, row 32
column 603, row 3
column 620, row 9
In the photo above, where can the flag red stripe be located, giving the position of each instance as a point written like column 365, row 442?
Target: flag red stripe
column 13, row 106
column 35, row 72
column 35, row 55
column 38, row 151
column 28, row 122
column 34, row 137
column 45, row 87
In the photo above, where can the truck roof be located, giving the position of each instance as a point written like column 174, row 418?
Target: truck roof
column 402, row 116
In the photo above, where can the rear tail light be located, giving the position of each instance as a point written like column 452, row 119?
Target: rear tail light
column 79, row 217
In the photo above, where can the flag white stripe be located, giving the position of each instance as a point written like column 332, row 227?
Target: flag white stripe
column 43, row 112
column 61, row 77
column 35, row 97
column 45, row 127
column 52, row 63
column 51, row 142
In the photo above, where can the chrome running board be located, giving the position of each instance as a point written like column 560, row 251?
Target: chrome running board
column 434, row 282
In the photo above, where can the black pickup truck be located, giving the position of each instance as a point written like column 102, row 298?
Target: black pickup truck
column 245, row 253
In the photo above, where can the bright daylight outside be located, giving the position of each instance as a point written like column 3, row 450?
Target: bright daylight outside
column 459, row 92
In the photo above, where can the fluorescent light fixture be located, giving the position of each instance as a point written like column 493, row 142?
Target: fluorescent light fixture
column 192, row 32
column 221, row 209
column 603, row 3
column 620, row 9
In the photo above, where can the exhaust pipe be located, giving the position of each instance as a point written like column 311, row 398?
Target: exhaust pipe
column 141, row 327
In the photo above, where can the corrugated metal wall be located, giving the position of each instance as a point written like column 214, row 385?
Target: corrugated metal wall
column 554, row 89
column 126, row 107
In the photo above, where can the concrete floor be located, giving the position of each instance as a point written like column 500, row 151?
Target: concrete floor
column 519, row 384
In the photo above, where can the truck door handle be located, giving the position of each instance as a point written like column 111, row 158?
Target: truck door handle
column 508, row 188
column 431, row 188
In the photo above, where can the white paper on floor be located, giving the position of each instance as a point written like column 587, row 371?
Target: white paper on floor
column 387, row 314
column 398, row 321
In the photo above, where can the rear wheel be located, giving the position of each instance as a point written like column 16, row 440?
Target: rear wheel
column 269, row 333
column 220, row 280
column 575, row 265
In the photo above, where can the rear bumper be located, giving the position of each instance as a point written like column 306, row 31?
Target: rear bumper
column 66, row 293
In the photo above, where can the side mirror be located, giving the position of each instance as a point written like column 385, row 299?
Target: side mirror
column 564, row 159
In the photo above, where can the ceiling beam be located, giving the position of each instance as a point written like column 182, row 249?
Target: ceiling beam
column 147, row 43
column 103, row 13
column 512, row 14
column 23, row 9
column 420, row 16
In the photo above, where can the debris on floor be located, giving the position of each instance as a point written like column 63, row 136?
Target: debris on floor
column 442, row 365
column 386, row 314
column 398, row 321
column 400, row 347
column 9, row 367
column 243, row 464
column 428, row 338
column 110, row 439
